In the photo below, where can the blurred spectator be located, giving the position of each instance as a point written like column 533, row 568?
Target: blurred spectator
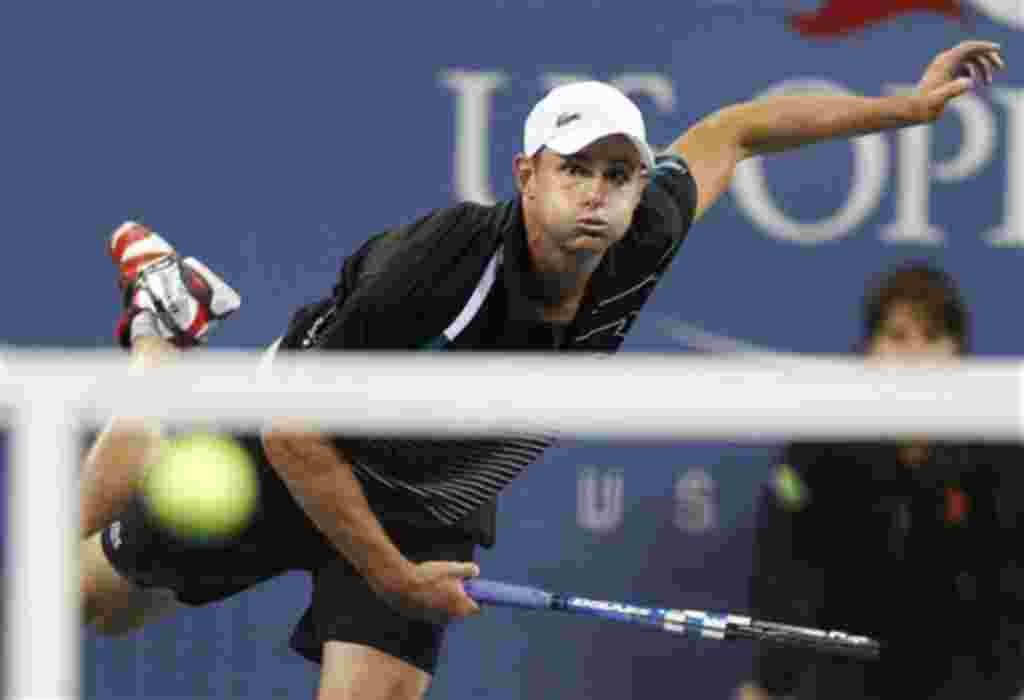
column 917, row 544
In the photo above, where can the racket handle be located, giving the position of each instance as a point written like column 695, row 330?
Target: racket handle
column 494, row 592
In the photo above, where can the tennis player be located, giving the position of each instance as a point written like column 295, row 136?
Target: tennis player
column 388, row 528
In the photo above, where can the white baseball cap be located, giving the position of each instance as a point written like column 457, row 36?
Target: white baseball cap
column 573, row 116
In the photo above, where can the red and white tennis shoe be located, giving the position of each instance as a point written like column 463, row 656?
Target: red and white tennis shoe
column 179, row 299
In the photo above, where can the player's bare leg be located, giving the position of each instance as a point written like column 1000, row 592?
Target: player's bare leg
column 357, row 672
column 169, row 303
column 111, row 604
column 114, row 464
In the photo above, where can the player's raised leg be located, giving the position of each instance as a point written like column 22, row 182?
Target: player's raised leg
column 169, row 303
column 114, row 464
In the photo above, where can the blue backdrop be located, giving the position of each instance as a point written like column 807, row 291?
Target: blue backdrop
column 269, row 139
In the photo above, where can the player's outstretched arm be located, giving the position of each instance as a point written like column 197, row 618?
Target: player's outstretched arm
column 322, row 481
column 714, row 145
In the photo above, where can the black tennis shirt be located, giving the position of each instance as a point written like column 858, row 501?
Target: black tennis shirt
column 454, row 482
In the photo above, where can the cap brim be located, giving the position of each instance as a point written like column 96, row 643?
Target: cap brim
column 575, row 141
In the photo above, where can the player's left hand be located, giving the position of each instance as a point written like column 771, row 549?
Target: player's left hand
column 954, row 72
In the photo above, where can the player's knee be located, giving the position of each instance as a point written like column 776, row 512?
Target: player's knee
column 108, row 626
column 99, row 603
column 111, row 604
column 99, row 612
column 121, row 623
column 116, row 616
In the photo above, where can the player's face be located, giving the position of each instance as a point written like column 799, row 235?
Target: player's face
column 906, row 333
column 585, row 202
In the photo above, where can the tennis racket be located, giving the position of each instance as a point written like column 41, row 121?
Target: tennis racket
column 693, row 623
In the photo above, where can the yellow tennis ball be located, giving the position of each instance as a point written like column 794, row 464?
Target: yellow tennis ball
column 202, row 487
column 790, row 489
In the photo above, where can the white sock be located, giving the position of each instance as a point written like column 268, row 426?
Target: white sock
column 146, row 322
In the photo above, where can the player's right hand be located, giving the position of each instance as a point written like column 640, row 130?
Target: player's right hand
column 433, row 591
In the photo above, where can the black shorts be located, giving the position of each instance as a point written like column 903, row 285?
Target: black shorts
column 281, row 538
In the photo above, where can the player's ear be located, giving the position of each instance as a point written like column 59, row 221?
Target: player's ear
column 525, row 169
